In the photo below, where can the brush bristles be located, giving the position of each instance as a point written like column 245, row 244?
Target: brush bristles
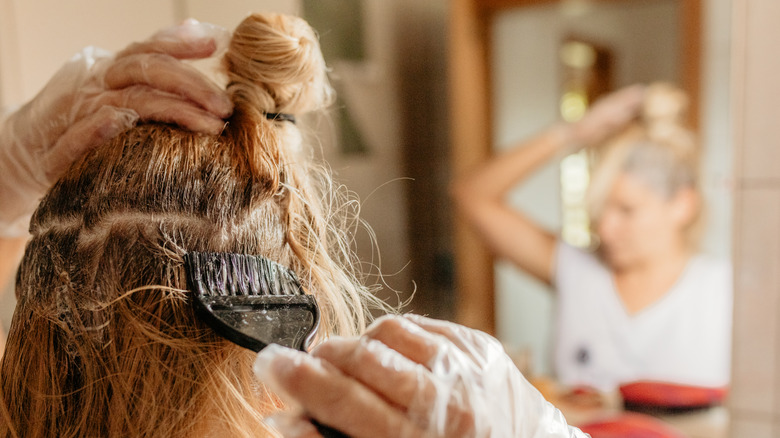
column 230, row 274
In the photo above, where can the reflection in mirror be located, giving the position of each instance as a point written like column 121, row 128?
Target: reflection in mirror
column 550, row 61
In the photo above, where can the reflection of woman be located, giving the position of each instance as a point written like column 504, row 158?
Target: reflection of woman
column 647, row 306
column 103, row 340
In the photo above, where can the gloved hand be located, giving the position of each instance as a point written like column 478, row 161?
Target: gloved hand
column 607, row 116
column 96, row 96
column 408, row 377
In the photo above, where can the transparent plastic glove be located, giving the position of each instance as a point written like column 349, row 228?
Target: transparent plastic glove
column 96, row 96
column 409, row 377
column 607, row 116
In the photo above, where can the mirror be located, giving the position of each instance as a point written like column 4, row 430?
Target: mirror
column 643, row 41
column 508, row 79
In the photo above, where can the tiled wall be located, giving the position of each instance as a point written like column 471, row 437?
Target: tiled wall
column 755, row 400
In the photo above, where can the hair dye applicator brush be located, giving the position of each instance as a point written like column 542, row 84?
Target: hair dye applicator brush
column 252, row 302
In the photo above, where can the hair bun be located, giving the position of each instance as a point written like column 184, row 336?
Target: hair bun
column 664, row 102
column 664, row 111
column 274, row 64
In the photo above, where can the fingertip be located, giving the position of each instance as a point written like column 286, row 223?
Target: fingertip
column 196, row 120
column 213, row 126
column 291, row 425
column 110, row 121
column 416, row 318
column 637, row 90
column 189, row 22
column 125, row 117
column 327, row 347
column 274, row 361
column 222, row 105
column 192, row 48
column 393, row 322
column 200, row 35
column 273, row 366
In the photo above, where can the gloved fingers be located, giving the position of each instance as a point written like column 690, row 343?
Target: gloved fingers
column 189, row 40
column 397, row 379
column 166, row 73
column 192, row 29
column 194, row 49
column 624, row 103
column 427, row 347
column 479, row 346
column 86, row 134
column 609, row 114
column 158, row 106
column 407, row 338
column 328, row 395
column 444, row 401
column 291, row 425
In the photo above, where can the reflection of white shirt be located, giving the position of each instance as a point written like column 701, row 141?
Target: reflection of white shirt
column 684, row 337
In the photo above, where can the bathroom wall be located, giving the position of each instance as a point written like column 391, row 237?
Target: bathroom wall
column 755, row 396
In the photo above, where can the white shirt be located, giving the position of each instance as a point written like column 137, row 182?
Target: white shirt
column 684, row 337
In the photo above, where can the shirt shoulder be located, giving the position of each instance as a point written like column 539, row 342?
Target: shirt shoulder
column 713, row 271
column 570, row 259
column 709, row 281
column 575, row 268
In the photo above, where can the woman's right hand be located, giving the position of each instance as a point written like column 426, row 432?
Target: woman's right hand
column 607, row 116
column 409, row 377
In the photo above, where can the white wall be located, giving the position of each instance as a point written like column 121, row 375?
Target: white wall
column 645, row 42
column 39, row 36
column 370, row 91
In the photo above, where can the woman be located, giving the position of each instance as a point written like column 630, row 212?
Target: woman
column 104, row 341
column 647, row 305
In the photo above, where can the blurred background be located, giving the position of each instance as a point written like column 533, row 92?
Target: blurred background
column 430, row 88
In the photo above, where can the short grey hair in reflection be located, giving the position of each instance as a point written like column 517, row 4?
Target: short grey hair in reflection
column 657, row 149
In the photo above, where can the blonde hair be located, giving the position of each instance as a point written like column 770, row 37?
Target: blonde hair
column 658, row 149
column 104, row 341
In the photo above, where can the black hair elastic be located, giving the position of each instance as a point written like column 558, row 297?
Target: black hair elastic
column 282, row 117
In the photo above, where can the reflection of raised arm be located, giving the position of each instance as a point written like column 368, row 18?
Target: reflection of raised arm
column 509, row 233
column 481, row 195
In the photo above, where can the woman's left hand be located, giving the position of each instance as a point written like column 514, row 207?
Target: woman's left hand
column 608, row 116
column 408, row 376
column 98, row 95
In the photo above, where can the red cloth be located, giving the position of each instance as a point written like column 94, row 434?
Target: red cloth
column 631, row 425
column 669, row 395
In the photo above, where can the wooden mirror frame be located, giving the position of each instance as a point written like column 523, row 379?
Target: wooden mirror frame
column 471, row 118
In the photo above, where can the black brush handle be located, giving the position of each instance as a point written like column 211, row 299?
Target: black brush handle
column 327, row 431
column 228, row 288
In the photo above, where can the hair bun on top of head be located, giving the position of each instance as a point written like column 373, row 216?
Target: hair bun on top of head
column 274, row 65
column 664, row 112
column 664, row 102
